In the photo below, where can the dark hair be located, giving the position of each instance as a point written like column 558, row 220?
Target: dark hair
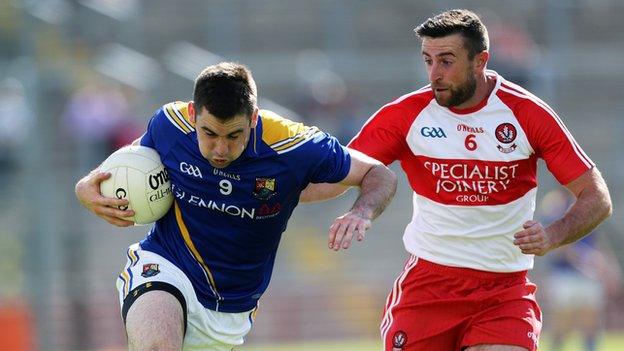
column 465, row 22
column 226, row 89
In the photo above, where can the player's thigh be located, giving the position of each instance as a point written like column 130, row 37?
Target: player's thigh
column 495, row 348
column 155, row 321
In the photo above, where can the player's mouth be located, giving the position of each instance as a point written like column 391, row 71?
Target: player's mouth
column 219, row 162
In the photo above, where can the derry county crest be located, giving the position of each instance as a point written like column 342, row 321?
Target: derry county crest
column 264, row 189
column 506, row 133
column 399, row 340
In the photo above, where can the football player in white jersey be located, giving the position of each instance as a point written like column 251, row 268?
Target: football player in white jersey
column 469, row 144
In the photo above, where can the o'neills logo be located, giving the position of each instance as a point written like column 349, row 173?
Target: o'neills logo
column 466, row 128
column 158, row 179
column 473, row 183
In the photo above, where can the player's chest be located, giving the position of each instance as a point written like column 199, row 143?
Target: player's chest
column 490, row 135
column 252, row 185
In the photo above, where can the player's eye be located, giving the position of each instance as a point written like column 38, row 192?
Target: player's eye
column 233, row 137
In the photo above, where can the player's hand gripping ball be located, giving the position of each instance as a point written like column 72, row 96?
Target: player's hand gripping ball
column 137, row 174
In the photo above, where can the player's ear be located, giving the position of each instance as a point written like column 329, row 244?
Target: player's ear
column 254, row 118
column 480, row 60
column 191, row 111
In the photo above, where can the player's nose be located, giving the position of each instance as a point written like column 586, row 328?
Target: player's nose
column 434, row 73
column 220, row 147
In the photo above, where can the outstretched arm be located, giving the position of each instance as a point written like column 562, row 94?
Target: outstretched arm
column 592, row 206
column 377, row 185
column 360, row 165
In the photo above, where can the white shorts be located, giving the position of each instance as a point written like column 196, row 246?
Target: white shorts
column 205, row 329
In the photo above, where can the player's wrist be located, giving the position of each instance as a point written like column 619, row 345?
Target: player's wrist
column 363, row 212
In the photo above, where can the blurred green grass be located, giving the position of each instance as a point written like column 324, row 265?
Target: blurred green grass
column 610, row 342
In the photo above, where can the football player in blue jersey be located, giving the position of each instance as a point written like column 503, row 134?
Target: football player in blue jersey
column 237, row 173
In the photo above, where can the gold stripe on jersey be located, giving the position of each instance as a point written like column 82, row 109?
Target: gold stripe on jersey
column 177, row 114
column 189, row 244
column 283, row 135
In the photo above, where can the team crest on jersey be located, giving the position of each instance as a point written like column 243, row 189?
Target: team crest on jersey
column 399, row 340
column 265, row 188
column 506, row 133
column 150, row 270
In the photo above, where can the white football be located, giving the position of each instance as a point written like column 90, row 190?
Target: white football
column 137, row 174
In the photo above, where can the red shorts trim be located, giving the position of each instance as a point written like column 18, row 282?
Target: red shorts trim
column 435, row 307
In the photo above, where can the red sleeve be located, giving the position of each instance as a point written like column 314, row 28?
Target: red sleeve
column 552, row 141
column 383, row 135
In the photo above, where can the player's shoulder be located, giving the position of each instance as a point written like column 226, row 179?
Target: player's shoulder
column 282, row 134
column 175, row 114
column 520, row 99
column 531, row 112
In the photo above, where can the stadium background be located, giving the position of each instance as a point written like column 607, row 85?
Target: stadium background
column 81, row 77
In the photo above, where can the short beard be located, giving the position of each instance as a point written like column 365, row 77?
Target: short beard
column 462, row 93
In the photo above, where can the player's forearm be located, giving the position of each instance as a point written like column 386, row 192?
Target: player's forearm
column 592, row 206
column 376, row 191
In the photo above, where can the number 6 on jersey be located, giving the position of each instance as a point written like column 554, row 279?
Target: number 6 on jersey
column 470, row 142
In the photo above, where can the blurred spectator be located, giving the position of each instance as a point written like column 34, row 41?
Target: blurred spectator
column 581, row 277
column 98, row 119
column 15, row 121
column 514, row 53
column 325, row 99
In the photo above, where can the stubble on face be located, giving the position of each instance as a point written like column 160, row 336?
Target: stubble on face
column 457, row 95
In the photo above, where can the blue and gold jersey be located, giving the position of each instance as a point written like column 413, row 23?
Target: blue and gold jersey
column 225, row 225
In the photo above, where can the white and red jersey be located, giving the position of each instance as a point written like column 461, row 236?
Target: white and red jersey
column 473, row 171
